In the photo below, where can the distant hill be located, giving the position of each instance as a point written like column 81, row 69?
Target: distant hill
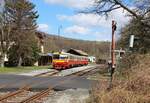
column 93, row 48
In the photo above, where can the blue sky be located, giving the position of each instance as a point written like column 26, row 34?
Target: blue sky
column 56, row 13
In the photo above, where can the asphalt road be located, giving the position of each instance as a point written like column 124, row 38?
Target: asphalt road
column 14, row 82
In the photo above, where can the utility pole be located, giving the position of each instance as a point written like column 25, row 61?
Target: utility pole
column 113, row 44
column 112, row 64
column 58, row 39
column 59, row 30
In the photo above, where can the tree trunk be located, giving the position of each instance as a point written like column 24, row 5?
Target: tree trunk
column 20, row 62
column 2, row 60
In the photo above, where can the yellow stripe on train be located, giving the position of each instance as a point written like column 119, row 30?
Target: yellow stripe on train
column 58, row 61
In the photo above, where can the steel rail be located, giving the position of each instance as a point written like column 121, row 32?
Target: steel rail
column 93, row 71
column 46, row 92
column 82, row 72
column 11, row 94
column 4, row 86
column 37, row 96
column 42, row 74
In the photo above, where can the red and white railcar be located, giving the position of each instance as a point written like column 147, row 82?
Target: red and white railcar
column 67, row 60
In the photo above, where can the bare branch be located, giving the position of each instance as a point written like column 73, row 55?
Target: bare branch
column 127, row 9
column 104, row 7
column 108, row 10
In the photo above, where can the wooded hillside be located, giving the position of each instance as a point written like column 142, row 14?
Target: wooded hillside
column 94, row 48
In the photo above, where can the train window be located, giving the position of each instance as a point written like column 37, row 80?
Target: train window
column 56, row 56
column 62, row 58
column 71, row 57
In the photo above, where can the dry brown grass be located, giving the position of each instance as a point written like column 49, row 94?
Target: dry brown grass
column 135, row 89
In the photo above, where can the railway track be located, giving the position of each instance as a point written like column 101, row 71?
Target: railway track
column 20, row 97
column 24, row 95
column 12, row 94
column 95, row 70
column 83, row 72
column 49, row 73
column 55, row 73
column 38, row 96
column 44, row 93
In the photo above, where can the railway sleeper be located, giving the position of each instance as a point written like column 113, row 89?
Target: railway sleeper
column 37, row 96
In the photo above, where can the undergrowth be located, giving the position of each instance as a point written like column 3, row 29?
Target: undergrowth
column 134, row 88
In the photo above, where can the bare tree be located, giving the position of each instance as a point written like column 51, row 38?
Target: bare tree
column 138, row 9
column 5, row 29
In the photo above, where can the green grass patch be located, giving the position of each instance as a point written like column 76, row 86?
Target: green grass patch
column 22, row 69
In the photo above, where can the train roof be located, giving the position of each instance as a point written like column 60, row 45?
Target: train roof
column 77, row 52
column 64, row 53
column 45, row 54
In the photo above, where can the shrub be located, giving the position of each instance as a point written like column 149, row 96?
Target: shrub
column 134, row 89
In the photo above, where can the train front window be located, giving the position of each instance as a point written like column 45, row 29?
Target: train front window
column 55, row 56
column 63, row 57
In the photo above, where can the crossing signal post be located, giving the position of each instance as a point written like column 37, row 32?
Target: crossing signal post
column 112, row 65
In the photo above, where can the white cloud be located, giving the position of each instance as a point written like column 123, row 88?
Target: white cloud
column 43, row 27
column 98, row 26
column 102, row 36
column 78, row 4
column 77, row 30
column 82, row 19
column 93, row 20
column 87, row 24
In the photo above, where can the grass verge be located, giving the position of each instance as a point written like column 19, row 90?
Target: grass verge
column 22, row 69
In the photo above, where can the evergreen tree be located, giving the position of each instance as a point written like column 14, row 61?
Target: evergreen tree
column 23, row 16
